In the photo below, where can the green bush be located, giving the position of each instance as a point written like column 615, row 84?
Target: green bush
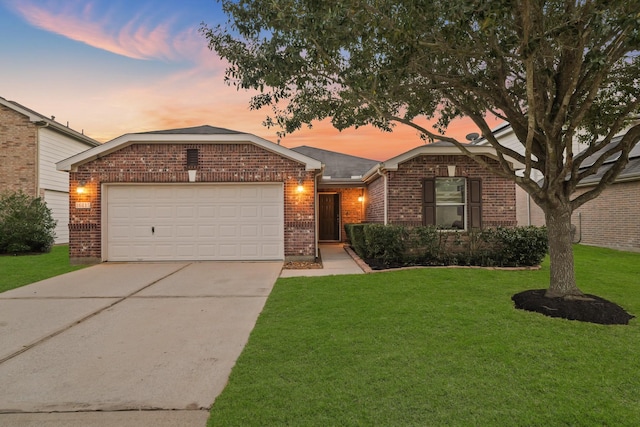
column 393, row 245
column 355, row 235
column 518, row 246
column 26, row 224
column 385, row 243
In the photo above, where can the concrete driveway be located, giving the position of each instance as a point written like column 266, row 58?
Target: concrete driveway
column 128, row 336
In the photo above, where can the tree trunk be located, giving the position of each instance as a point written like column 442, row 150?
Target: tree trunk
column 563, row 280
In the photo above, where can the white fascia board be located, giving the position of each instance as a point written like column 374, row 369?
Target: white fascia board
column 392, row 164
column 150, row 138
column 42, row 121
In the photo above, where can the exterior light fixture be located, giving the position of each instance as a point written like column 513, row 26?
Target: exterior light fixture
column 361, row 199
column 300, row 188
column 81, row 189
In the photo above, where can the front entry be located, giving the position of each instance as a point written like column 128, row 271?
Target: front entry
column 329, row 205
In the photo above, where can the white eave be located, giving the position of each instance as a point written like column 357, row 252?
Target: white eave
column 433, row 150
column 123, row 141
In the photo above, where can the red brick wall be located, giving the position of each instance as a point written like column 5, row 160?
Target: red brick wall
column 217, row 163
column 405, row 190
column 18, row 152
column 374, row 201
column 611, row 219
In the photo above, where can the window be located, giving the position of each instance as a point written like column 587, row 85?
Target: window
column 448, row 201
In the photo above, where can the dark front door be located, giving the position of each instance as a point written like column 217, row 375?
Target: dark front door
column 329, row 205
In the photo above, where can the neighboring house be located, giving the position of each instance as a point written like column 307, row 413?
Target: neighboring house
column 30, row 146
column 613, row 218
column 207, row 193
column 435, row 184
column 610, row 220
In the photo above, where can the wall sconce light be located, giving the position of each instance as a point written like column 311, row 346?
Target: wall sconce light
column 300, row 188
column 81, row 189
column 361, row 199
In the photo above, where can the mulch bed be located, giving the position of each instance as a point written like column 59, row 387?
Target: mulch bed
column 302, row 265
column 591, row 309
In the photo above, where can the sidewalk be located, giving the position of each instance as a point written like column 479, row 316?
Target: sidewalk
column 335, row 260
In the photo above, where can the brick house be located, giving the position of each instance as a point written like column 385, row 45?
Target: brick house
column 341, row 191
column 613, row 218
column 436, row 185
column 207, row 193
column 201, row 193
column 610, row 220
column 30, row 146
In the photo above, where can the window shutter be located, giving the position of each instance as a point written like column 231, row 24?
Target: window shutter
column 475, row 203
column 429, row 201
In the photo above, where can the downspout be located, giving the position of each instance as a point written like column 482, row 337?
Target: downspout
column 384, row 177
column 315, row 202
column 528, row 209
column 39, row 125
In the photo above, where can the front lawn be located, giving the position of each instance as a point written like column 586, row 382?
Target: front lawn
column 16, row 271
column 438, row 347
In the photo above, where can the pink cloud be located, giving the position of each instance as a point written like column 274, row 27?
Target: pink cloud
column 136, row 38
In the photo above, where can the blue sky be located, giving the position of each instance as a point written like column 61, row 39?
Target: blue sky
column 110, row 67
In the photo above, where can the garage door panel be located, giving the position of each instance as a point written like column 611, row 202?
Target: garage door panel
column 249, row 212
column 249, row 231
column 195, row 222
column 206, row 231
column 227, row 231
column 270, row 231
column 228, row 211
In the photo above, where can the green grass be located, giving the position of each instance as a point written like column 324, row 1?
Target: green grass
column 436, row 347
column 16, row 271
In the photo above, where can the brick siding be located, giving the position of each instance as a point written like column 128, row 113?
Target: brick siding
column 18, row 153
column 374, row 201
column 611, row 219
column 405, row 190
column 166, row 163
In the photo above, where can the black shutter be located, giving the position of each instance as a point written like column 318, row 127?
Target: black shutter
column 428, row 201
column 475, row 203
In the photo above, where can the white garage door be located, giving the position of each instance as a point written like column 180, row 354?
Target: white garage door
column 194, row 222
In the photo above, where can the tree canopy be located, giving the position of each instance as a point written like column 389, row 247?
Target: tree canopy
column 557, row 71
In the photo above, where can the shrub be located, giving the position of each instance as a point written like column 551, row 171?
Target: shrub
column 392, row 245
column 26, row 224
column 385, row 243
column 518, row 246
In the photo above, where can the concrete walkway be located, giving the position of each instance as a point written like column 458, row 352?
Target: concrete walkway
column 335, row 260
column 127, row 344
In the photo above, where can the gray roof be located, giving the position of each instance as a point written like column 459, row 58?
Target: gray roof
column 196, row 130
column 337, row 165
column 41, row 120
column 631, row 171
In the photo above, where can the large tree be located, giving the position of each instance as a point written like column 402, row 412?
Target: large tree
column 556, row 71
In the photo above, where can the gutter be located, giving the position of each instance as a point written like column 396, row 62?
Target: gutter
column 39, row 125
column 386, row 201
column 315, row 199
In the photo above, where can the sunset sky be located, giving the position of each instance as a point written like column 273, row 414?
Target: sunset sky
column 110, row 67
